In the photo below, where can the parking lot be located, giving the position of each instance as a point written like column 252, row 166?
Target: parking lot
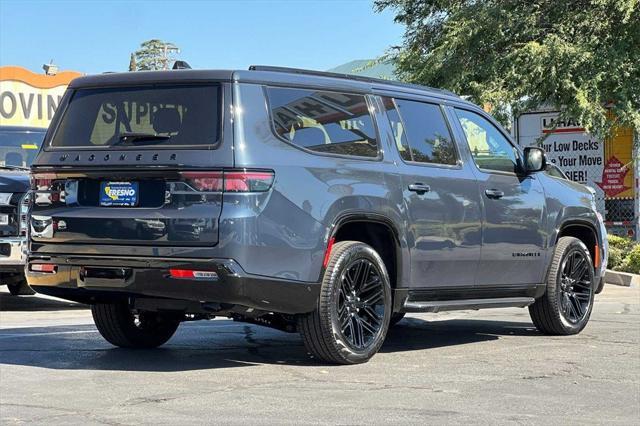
column 482, row 367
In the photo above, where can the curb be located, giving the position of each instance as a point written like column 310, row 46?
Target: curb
column 624, row 279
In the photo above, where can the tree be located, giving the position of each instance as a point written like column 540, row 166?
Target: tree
column 155, row 55
column 132, row 63
column 580, row 56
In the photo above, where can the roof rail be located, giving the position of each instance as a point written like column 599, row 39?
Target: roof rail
column 361, row 78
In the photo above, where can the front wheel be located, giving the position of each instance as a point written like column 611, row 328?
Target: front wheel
column 566, row 306
column 123, row 327
column 354, row 307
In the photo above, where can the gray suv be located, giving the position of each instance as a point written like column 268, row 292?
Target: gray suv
column 320, row 203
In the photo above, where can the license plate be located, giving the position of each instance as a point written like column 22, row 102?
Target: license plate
column 4, row 219
column 119, row 194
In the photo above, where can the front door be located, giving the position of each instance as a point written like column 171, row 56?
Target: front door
column 441, row 197
column 513, row 239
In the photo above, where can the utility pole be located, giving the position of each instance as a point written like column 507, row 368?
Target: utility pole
column 168, row 49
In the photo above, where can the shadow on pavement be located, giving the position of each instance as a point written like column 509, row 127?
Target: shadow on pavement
column 221, row 344
column 35, row 303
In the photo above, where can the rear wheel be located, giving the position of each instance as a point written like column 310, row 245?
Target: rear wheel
column 566, row 305
column 354, row 307
column 122, row 327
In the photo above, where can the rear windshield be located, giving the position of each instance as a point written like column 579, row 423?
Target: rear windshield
column 135, row 116
column 19, row 147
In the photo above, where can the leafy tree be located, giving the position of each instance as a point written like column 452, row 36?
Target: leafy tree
column 155, row 55
column 132, row 63
column 581, row 56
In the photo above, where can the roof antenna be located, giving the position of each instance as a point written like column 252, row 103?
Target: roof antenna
column 181, row 65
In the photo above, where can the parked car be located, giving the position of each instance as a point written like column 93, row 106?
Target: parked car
column 322, row 203
column 18, row 147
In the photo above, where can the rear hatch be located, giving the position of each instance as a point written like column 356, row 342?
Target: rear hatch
column 133, row 165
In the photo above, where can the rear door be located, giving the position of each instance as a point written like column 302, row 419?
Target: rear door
column 133, row 165
column 513, row 233
column 440, row 194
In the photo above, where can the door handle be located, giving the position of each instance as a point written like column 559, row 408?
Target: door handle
column 419, row 188
column 494, row 194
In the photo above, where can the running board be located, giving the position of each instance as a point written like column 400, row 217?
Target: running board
column 453, row 305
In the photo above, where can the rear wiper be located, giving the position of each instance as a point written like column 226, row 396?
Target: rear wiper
column 10, row 167
column 134, row 136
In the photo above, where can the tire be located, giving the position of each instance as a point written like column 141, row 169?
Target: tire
column 345, row 329
column 600, row 286
column 20, row 288
column 121, row 327
column 396, row 317
column 553, row 313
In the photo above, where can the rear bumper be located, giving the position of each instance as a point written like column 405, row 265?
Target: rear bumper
column 13, row 253
column 149, row 277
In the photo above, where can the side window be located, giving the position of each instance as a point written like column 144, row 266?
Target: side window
column 327, row 122
column 398, row 129
column 421, row 132
column 489, row 148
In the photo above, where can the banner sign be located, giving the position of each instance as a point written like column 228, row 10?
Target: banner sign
column 30, row 99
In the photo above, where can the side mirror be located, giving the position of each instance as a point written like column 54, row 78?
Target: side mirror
column 534, row 159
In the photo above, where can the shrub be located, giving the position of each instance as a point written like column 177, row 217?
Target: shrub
column 631, row 262
column 624, row 244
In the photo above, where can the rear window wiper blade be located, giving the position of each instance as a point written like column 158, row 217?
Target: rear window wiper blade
column 135, row 136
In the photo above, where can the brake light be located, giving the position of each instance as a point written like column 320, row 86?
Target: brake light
column 230, row 181
column 193, row 274
column 49, row 268
column 205, row 181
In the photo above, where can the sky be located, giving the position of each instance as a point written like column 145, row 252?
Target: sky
column 98, row 36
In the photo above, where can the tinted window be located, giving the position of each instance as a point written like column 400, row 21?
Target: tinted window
column 329, row 122
column 399, row 134
column 182, row 115
column 489, row 148
column 424, row 127
column 19, row 147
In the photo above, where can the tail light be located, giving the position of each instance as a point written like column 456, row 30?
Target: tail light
column 46, row 190
column 230, row 181
column 48, row 268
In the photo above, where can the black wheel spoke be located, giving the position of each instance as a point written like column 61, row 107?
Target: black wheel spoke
column 575, row 290
column 358, row 298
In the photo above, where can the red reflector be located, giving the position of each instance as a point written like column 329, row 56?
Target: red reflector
column 44, row 267
column 193, row 275
column 327, row 254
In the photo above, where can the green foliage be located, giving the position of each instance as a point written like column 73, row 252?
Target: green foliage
column 624, row 254
column 631, row 262
column 621, row 243
column 616, row 256
column 155, row 55
column 578, row 56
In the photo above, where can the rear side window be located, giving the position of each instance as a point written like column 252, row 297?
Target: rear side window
column 326, row 122
column 134, row 116
column 421, row 132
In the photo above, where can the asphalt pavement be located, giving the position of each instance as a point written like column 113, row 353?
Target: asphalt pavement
column 481, row 367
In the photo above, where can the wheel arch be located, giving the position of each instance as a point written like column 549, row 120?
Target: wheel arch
column 375, row 230
column 586, row 232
